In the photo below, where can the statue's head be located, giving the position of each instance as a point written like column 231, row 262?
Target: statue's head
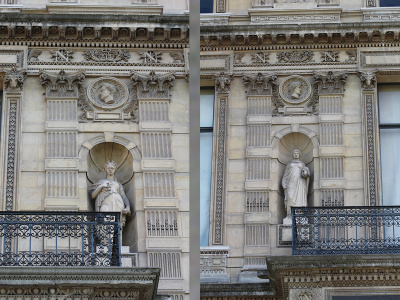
column 294, row 89
column 108, row 93
column 110, row 167
column 296, row 153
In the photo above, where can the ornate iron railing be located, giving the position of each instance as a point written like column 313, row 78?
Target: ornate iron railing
column 60, row 239
column 346, row 230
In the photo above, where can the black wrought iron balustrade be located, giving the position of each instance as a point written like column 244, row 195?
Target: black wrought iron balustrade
column 60, row 239
column 346, row 230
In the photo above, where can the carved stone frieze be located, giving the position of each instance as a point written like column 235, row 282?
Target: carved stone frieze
column 330, row 56
column 352, row 56
column 106, row 55
column 62, row 54
column 259, row 84
column 62, row 84
column 150, row 57
column 260, row 58
column 330, row 83
column 237, row 59
column 223, row 83
column 177, row 56
column 152, row 86
column 368, row 80
column 33, row 54
column 305, row 294
column 295, row 56
column 14, row 80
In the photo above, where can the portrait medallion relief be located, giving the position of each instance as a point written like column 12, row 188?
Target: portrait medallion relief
column 107, row 93
column 295, row 90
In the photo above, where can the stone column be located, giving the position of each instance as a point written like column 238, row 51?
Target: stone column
column 371, row 141
column 62, row 164
column 332, row 184
column 11, row 107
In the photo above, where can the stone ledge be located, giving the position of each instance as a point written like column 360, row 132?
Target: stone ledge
column 236, row 289
column 138, row 282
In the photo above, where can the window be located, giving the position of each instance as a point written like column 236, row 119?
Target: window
column 206, row 6
column 389, row 132
column 206, row 141
column 389, row 3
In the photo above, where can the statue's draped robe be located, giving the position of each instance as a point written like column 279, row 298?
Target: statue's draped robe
column 295, row 186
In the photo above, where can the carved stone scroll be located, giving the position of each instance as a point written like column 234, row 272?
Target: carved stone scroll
column 62, row 84
column 259, row 84
column 14, row 80
column 152, row 86
column 330, row 83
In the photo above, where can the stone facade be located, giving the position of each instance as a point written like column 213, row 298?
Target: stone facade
column 254, row 53
column 87, row 82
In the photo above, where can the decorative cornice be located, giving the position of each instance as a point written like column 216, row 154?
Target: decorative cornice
column 223, row 83
column 330, row 83
column 62, row 84
column 152, row 86
column 368, row 80
column 259, row 84
column 14, row 80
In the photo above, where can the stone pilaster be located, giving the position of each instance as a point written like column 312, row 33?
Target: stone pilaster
column 371, row 138
column 61, row 164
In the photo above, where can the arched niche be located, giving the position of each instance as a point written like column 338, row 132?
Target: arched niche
column 94, row 154
column 285, row 146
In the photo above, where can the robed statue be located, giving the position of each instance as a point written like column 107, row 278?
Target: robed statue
column 110, row 195
column 295, row 183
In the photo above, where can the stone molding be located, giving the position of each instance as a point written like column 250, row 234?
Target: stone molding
column 14, row 80
column 213, row 263
column 152, row 86
column 259, row 84
column 62, row 85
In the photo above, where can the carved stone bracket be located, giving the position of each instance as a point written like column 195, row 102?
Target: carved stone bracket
column 259, row 84
column 368, row 80
column 62, row 84
column 152, row 86
column 223, row 83
column 330, row 83
column 14, row 80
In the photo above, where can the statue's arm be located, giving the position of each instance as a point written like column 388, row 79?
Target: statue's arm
column 97, row 189
column 125, row 199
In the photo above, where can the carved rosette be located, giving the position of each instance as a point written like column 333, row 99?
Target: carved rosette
column 14, row 80
column 223, row 83
column 368, row 80
column 152, row 86
column 259, row 84
column 330, row 83
column 62, row 84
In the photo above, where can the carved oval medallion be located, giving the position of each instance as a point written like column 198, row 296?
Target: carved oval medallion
column 295, row 90
column 108, row 93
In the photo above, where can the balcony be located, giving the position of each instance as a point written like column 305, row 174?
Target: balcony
column 346, row 230
column 60, row 239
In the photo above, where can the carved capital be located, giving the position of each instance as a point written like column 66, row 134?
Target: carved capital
column 330, row 83
column 259, row 84
column 223, row 83
column 368, row 80
column 152, row 86
column 14, row 80
column 62, row 84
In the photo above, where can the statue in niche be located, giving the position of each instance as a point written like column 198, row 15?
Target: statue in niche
column 295, row 183
column 294, row 90
column 110, row 195
column 108, row 93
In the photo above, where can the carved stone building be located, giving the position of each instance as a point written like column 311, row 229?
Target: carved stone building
column 83, row 83
column 321, row 76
